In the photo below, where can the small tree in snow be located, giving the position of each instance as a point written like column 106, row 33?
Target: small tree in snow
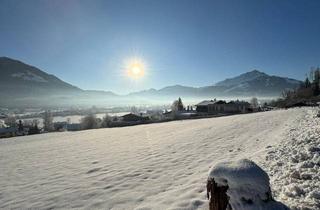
column 177, row 105
column 134, row 110
column 89, row 122
column 106, row 121
column 20, row 126
column 48, row 121
column 11, row 121
column 254, row 103
column 34, row 129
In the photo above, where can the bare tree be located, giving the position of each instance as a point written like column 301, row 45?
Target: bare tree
column 174, row 106
column 254, row 103
column 33, row 126
column 89, row 122
column 106, row 121
column 48, row 121
column 177, row 105
column 134, row 110
column 11, row 121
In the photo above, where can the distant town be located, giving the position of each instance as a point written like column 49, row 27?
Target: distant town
column 30, row 122
column 35, row 121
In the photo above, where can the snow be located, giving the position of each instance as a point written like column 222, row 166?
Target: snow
column 29, row 76
column 295, row 164
column 154, row 166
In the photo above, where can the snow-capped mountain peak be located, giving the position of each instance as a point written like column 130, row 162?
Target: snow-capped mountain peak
column 249, row 76
column 29, row 76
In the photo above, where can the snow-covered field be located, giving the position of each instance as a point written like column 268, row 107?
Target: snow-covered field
column 156, row 166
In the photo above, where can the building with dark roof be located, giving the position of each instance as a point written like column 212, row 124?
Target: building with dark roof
column 222, row 107
column 8, row 132
column 133, row 118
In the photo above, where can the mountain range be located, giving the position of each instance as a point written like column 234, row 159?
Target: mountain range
column 27, row 86
column 253, row 83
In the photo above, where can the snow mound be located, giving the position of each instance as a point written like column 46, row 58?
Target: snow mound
column 295, row 164
column 248, row 185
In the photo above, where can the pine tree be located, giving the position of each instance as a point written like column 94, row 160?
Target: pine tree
column 180, row 104
column 20, row 126
column 316, row 81
column 307, row 83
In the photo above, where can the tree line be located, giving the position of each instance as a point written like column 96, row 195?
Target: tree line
column 306, row 94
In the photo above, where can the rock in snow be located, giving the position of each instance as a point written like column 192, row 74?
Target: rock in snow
column 247, row 185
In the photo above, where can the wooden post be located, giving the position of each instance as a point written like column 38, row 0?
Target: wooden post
column 218, row 199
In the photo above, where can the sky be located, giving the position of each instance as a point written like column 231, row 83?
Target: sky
column 89, row 43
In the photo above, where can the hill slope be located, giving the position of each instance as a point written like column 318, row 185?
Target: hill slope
column 156, row 166
column 25, row 85
column 21, row 78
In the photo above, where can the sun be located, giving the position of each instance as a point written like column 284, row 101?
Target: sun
column 135, row 69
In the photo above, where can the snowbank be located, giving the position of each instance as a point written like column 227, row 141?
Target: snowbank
column 248, row 185
column 294, row 165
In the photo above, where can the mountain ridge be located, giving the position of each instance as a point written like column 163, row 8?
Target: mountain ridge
column 247, row 84
column 24, row 83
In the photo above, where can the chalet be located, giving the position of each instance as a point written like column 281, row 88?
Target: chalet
column 133, row 118
column 210, row 106
column 222, row 107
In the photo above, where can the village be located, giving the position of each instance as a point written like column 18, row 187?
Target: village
column 11, row 126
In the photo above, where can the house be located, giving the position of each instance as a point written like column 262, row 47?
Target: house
column 184, row 114
column 167, row 114
column 210, row 106
column 7, row 132
column 133, row 118
column 222, row 107
column 237, row 107
column 73, row 127
column 60, row 126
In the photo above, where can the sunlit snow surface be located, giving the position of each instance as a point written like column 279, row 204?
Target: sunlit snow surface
column 155, row 166
column 294, row 165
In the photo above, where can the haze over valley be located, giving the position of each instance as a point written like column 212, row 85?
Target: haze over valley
column 23, row 85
